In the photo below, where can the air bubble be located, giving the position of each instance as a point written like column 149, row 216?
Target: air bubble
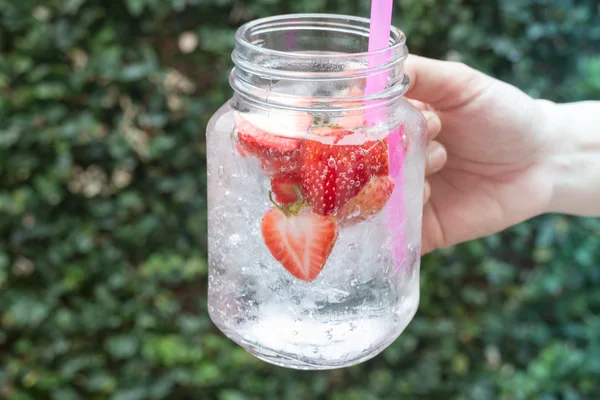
column 331, row 162
column 235, row 239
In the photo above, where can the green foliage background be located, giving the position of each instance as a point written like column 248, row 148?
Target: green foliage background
column 103, row 225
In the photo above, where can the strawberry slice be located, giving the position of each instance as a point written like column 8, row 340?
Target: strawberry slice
column 333, row 174
column 301, row 241
column 272, row 140
column 262, row 141
column 286, row 188
column 288, row 164
column 370, row 200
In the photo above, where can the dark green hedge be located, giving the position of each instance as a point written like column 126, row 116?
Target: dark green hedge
column 103, row 225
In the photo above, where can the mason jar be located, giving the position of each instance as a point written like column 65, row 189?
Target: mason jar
column 315, row 191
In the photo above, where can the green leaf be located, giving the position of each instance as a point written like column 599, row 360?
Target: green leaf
column 134, row 72
column 122, row 346
column 135, row 7
column 130, row 394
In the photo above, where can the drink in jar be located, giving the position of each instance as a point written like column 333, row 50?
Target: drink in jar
column 314, row 196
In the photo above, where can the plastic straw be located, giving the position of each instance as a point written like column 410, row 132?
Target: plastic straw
column 379, row 38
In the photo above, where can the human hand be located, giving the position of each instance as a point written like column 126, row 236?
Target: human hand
column 496, row 173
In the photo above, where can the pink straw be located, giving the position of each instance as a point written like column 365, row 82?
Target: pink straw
column 379, row 38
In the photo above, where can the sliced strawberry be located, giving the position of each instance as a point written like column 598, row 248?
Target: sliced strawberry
column 333, row 174
column 300, row 241
column 287, row 164
column 286, row 188
column 273, row 140
column 370, row 200
column 262, row 141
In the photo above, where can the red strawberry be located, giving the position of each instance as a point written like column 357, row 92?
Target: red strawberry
column 333, row 174
column 282, row 165
column 266, row 139
column 286, row 188
column 370, row 200
column 300, row 240
column 261, row 143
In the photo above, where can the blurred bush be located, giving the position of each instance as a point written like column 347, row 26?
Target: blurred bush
column 102, row 213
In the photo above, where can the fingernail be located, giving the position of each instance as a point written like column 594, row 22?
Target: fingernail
column 436, row 156
column 426, row 192
column 430, row 116
column 434, row 124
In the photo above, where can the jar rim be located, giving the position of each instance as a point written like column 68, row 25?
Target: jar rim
column 244, row 32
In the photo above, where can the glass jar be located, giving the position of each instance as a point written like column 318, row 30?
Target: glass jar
column 315, row 191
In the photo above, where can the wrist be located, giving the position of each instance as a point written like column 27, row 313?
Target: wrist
column 572, row 161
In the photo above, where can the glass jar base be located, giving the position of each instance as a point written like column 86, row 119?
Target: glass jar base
column 320, row 345
column 314, row 364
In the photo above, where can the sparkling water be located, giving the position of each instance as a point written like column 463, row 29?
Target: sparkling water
column 360, row 302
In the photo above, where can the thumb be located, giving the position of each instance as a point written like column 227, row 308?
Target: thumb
column 443, row 84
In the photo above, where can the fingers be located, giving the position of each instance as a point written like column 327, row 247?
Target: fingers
column 419, row 105
column 434, row 124
column 436, row 158
column 435, row 153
